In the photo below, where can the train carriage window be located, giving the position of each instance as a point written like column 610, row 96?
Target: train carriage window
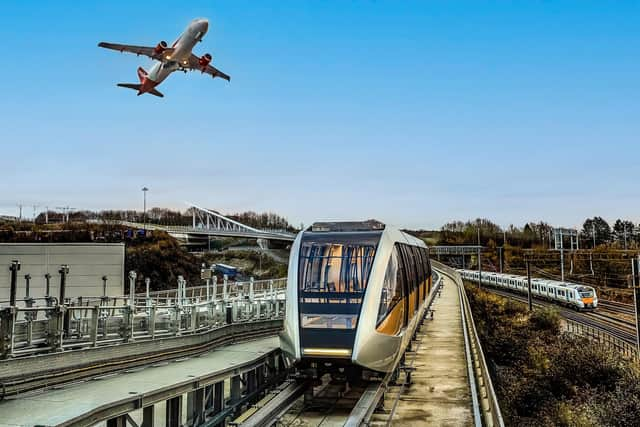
column 413, row 281
column 420, row 267
column 392, row 288
column 410, row 269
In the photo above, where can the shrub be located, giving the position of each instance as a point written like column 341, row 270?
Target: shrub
column 547, row 378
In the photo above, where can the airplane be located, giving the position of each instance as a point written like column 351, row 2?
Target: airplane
column 178, row 57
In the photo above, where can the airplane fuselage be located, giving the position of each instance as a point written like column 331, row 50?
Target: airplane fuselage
column 182, row 48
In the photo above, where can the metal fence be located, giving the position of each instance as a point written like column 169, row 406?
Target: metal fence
column 99, row 321
column 603, row 338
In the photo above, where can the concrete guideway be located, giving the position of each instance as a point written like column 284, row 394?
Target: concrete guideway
column 107, row 398
column 440, row 392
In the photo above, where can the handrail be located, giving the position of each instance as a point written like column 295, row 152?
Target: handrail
column 492, row 416
column 470, row 360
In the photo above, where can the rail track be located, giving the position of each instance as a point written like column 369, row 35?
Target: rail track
column 617, row 307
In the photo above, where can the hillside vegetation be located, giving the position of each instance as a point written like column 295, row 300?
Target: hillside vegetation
column 157, row 255
column 603, row 261
column 544, row 377
column 250, row 263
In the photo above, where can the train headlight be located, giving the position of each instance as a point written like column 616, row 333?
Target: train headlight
column 327, row 352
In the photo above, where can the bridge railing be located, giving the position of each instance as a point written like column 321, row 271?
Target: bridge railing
column 202, row 227
column 100, row 321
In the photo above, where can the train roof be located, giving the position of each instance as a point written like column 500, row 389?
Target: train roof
column 368, row 226
column 346, row 226
column 538, row 280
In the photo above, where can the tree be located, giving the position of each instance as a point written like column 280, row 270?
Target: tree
column 623, row 231
column 598, row 229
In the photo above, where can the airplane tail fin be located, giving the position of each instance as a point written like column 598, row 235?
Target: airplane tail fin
column 142, row 74
column 137, row 87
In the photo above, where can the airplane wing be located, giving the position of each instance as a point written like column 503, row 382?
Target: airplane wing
column 138, row 50
column 194, row 64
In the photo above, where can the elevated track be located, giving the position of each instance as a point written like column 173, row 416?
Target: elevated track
column 385, row 400
column 246, row 384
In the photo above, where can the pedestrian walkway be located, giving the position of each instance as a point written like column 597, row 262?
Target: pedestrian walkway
column 440, row 393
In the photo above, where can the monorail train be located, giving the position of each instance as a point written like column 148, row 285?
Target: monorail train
column 354, row 290
column 570, row 294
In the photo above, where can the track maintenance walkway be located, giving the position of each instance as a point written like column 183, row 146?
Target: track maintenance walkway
column 440, row 393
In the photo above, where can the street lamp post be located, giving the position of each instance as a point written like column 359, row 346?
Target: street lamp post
column 144, row 209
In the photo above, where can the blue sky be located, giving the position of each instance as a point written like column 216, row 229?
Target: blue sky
column 414, row 113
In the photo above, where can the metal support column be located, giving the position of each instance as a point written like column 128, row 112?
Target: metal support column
column 636, row 299
column 173, row 415
column 218, row 397
column 104, row 285
column 47, row 290
column 252, row 382
column 208, row 398
column 148, row 415
column 119, row 421
column 562, row 264
column 195, row 407
column 235, row 388
column 7, row 326
column 132, row 288
column 64, row 270
column 14, row 268
column 529, row 299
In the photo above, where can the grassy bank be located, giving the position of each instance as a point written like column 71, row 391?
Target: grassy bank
column 546, row 377
column 250, row 263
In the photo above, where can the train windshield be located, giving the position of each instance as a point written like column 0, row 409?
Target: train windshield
column 585, row 292
column 333, row 273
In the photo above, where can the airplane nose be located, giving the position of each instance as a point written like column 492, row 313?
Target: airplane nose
column 204, row 25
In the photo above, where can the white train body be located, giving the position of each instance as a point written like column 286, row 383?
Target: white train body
column 354, row 291
column 574, row 295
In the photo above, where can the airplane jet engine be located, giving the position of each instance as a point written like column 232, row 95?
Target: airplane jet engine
column 160, row 47
column 205, row 60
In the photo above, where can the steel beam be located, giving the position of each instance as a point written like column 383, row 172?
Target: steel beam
column 218, row 397
column 148, row 415
column 173, row 413
column 119, row 421
column 195, row 406
column 235, row 388
column 286, row 394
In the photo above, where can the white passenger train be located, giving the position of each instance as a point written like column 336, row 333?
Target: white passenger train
column 570, row 294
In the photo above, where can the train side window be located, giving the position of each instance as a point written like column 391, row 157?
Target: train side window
column 392, row 287
column 418, row 264
column 409, row 265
